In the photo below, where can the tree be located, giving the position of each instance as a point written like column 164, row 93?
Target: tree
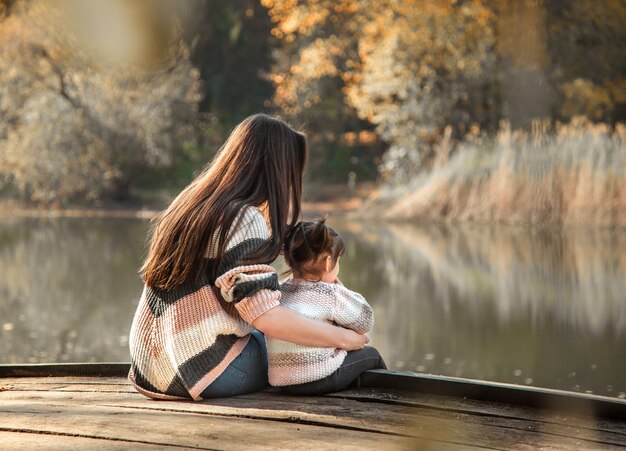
column 408, row 67
column 230, row 45
column 75, row 123
column 586, row 42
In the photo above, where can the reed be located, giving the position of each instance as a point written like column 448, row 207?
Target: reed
column 572, row 173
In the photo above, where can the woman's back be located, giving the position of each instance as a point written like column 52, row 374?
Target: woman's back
column 182, row 339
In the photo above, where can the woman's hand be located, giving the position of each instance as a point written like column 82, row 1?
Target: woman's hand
column 354, row 340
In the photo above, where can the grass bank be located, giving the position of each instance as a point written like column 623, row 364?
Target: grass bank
column 572, row 174
column 328, row 200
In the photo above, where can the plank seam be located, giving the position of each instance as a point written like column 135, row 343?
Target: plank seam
column 95, row 437
column 292, row 420
column 62, row 390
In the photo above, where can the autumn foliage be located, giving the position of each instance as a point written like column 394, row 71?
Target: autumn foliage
column 74, row 126
column 404, row 65
column 97, row 96
column 412, row 68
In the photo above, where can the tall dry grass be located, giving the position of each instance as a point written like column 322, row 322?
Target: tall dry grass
column 572, row 174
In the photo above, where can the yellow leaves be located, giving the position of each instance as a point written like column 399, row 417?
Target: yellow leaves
column 316, row 61
column 356, row 78
column 617, row 89
column 363, row 137
column 522, row 34
column 11, row 73
column 277, row 79
column 401, row 63
column 371, row 28
column 367, row 137
column 290, row 24
column 349, row 138
column 291, row 17
column 346, row 7
column 583, row 97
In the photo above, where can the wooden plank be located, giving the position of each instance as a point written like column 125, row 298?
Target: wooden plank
column 408, row 381
column 344, row 414
column 45, row 442
column 483, row 408
column 163, row 428
column 193, row 430
column 433, row 410
column 538, row 422
column 541, row 398
column 70, row 387
column 85, row 369
column 56, row 380
column 338, row 416
column 450, row 404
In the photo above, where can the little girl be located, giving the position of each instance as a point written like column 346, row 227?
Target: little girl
column 312, row 251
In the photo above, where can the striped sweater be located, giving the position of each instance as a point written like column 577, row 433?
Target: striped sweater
column 182, row 340
column 291, row 364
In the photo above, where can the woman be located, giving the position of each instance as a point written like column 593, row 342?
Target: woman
column 208, row 284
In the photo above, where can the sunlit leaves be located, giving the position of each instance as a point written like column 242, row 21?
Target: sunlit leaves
column 404, row 64
column 582, row 97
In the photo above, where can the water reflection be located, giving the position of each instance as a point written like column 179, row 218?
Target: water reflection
column 542, row 308
column 68, row 288
column 507, row 304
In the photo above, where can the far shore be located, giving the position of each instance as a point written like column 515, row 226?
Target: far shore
column 358, row 208
column 13, row 209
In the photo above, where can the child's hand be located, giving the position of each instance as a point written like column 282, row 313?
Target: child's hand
column 338, row 282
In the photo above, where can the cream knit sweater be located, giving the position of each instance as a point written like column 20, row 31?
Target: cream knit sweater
column 291, row 364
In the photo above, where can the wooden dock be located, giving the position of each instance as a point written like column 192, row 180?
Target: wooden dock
column 104, row 412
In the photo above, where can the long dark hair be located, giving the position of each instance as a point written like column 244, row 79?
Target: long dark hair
column 261, row 165
column 307, row 243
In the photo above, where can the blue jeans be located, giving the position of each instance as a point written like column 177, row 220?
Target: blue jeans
column 246, row 374
column 355, row 363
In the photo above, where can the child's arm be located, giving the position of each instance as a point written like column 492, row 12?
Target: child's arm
column 351, row 310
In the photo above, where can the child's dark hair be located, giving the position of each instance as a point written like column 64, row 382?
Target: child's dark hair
column 307, row 242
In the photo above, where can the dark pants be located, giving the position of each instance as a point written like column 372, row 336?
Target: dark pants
column 246, row 374
column 356, row 362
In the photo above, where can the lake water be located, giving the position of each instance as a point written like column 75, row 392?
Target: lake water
column 525, row 306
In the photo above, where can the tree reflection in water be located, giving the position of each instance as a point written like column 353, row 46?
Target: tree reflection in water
column 509, row 304
column 68, row 288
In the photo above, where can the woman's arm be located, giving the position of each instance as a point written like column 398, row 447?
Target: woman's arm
column 287, row 325
column 254, row 291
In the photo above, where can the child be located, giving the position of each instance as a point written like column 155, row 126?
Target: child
column 312, row 251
